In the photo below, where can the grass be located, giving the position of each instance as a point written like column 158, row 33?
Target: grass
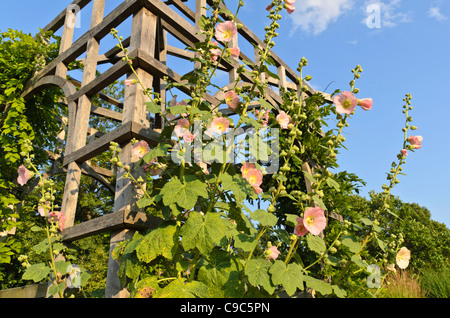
column 403, row 285
column 436, row 283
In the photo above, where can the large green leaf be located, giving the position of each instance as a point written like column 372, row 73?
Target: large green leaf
column 315, row 243
column 257, row 271
column 265, row 218
column 161, row 241
column 352, row 243
column 185, row 194
column 181, row 289
column 290, row 276
column 222, row 275
column 36, row 272
column 203, row 232
column 318, row 285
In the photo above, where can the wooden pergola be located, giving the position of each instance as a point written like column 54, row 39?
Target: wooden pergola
column 152, row 22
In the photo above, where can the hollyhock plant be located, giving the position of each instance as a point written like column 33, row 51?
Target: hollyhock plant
column 254, row 177
column 404, row 152
column 300, row 229
column 345, row 102
column 225, row 31
column 129, row 82
column 232, row 99
column 140, row 149
column 283, row 119
column 220, row 125
column 264, row 116
column 44, row 209
column 365, row 103
column 415, row 141
column 403, row 257
column 314, row 220
column 24, row 175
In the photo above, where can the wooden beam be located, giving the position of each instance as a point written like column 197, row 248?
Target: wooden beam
column 122, row 134
column 123, row 219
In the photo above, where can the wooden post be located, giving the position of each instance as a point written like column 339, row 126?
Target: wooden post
column 78, row 140
column 143, row 36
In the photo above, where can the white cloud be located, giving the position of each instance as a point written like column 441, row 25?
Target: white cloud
column 390, row 17
column 314, row 16
column 435, row 13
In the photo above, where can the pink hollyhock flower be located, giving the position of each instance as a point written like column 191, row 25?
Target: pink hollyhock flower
column 215, row 53
column 188, row 137
column 272, row 253
column 300, row 229
column 44, row 209
column 246, row 168
column 345, row 102
column 225, row 31
column 140, row 149
column 416, row 141
column 365, row 103
column 314, row 220
column 254, row 177
column 269, row 7
column 404, row 152
column 128, row 82
column 57, row 217
column 235, row 51
column 182, row 127
column 257, row 189
column 220, row 125
column 24, row 175
column 283, row 119
column 232, row 99
column 403, row 257
column 290, row 8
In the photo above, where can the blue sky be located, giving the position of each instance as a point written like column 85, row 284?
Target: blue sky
column 408, row 53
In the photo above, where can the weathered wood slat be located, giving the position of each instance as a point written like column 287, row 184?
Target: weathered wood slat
column 122, row 134
column 124, row 219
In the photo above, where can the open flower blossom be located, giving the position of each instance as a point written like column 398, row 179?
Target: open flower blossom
column 232, row 99
column 415, row 141
column 365, row 103
column 246, row 168
column 283, row 119
column 215, row 53
column 24, row 175
column 314, row 220
column 403, row 257
column 220, row 125
column 43, row 210
column 182, row 127
column 271, row 253
column 57, row 217
column 140, row 149
column 235, row 51
column 225, row 31
column 253, row 176
column 300, row 229
column 345, row 102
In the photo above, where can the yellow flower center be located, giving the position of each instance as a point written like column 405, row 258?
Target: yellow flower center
column 227, row 34
column 347, row 103
column 310, row 220
column 252, row 179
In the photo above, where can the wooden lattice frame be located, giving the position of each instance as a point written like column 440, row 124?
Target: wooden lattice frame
column 151, row 21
